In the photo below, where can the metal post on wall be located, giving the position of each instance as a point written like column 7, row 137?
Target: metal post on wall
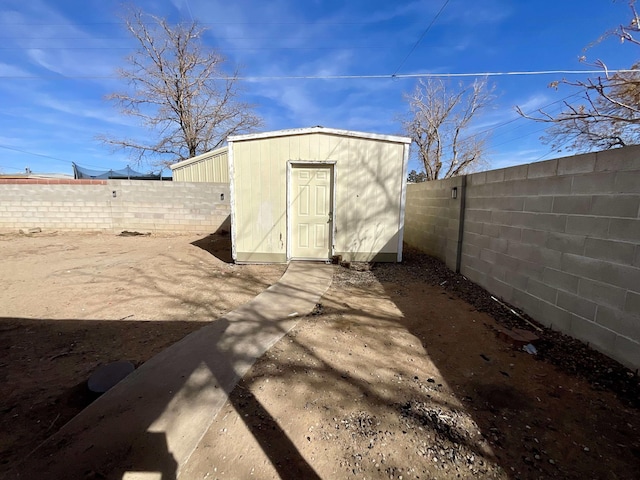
column 461, row 194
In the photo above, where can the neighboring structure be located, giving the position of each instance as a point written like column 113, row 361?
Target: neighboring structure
column 315, row 193
column 211, row 166
column 30, row 175
column 128, row 173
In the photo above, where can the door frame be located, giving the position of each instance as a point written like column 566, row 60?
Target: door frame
column 291, row 165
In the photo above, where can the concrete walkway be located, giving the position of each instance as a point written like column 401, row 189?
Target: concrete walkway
column 148, row 425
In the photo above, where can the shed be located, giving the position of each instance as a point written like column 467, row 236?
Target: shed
column 211, row 166
column 315, row 193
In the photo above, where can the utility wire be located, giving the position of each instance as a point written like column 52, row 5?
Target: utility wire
column 360, row 77
column 553, row 150
column 69, row 162
column 421, row 37
column 32, row 153
column 435, row 75
column 189, row 10
column 503, row 124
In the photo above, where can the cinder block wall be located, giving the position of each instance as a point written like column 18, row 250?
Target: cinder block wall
column 561, row 240
column 147, row 206
column 432, row 218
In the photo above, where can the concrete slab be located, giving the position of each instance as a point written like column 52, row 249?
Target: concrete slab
column 149, row 424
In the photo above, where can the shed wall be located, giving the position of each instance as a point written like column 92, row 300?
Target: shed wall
column 209, row 167
column 369, row 176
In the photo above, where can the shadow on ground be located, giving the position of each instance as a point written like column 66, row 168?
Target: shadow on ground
column 217, row 244
column 541, row 416
column 181, row 385
column 46, row 364
column 395, row 376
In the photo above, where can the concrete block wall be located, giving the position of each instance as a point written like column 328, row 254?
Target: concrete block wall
column 432, row 218
column 560, row 239
column 113, row 205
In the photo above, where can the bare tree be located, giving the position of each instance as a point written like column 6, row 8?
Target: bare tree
column 609, row 114
column 178, row 90
column 439, row 121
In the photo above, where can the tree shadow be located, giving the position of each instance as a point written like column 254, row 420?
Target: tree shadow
column 124, row 430
column 515, row 400
column 316, row 368
column 130, row 439
column 45, row 368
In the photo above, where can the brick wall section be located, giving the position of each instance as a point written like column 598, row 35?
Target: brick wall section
column 140, row 205
column 561, row 240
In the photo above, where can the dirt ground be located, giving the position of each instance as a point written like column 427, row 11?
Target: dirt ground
column 399, row 373
column 72, row 302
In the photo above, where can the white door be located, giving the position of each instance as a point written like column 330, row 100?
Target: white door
column 311, row 212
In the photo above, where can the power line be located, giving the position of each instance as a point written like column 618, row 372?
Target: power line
column 189, row 10
column 338, row 47
column 360, row 77
column 556, row 149
column 422, row 36
column 32, row 153
column 69, row 162
column 500, row 125
column 261, row 23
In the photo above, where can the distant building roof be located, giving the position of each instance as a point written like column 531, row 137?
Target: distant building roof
column 36, row 175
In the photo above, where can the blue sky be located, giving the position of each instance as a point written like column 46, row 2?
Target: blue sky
column 58, row 60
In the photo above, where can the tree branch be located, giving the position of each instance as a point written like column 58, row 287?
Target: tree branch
column 177, row 90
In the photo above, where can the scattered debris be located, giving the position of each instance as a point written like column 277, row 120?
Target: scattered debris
column 530, row 349
column 516, row 336
column 568, row 354
column 516, row 313
column 61, row 354
column 30, row 231
column 56, row 419
column 126, row 233
column 361, row 266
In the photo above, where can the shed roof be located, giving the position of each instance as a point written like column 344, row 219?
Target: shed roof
column 319, row 129
column 197, row 158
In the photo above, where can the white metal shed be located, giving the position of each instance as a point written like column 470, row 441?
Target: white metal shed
column 315, row 193
column 210, row 166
